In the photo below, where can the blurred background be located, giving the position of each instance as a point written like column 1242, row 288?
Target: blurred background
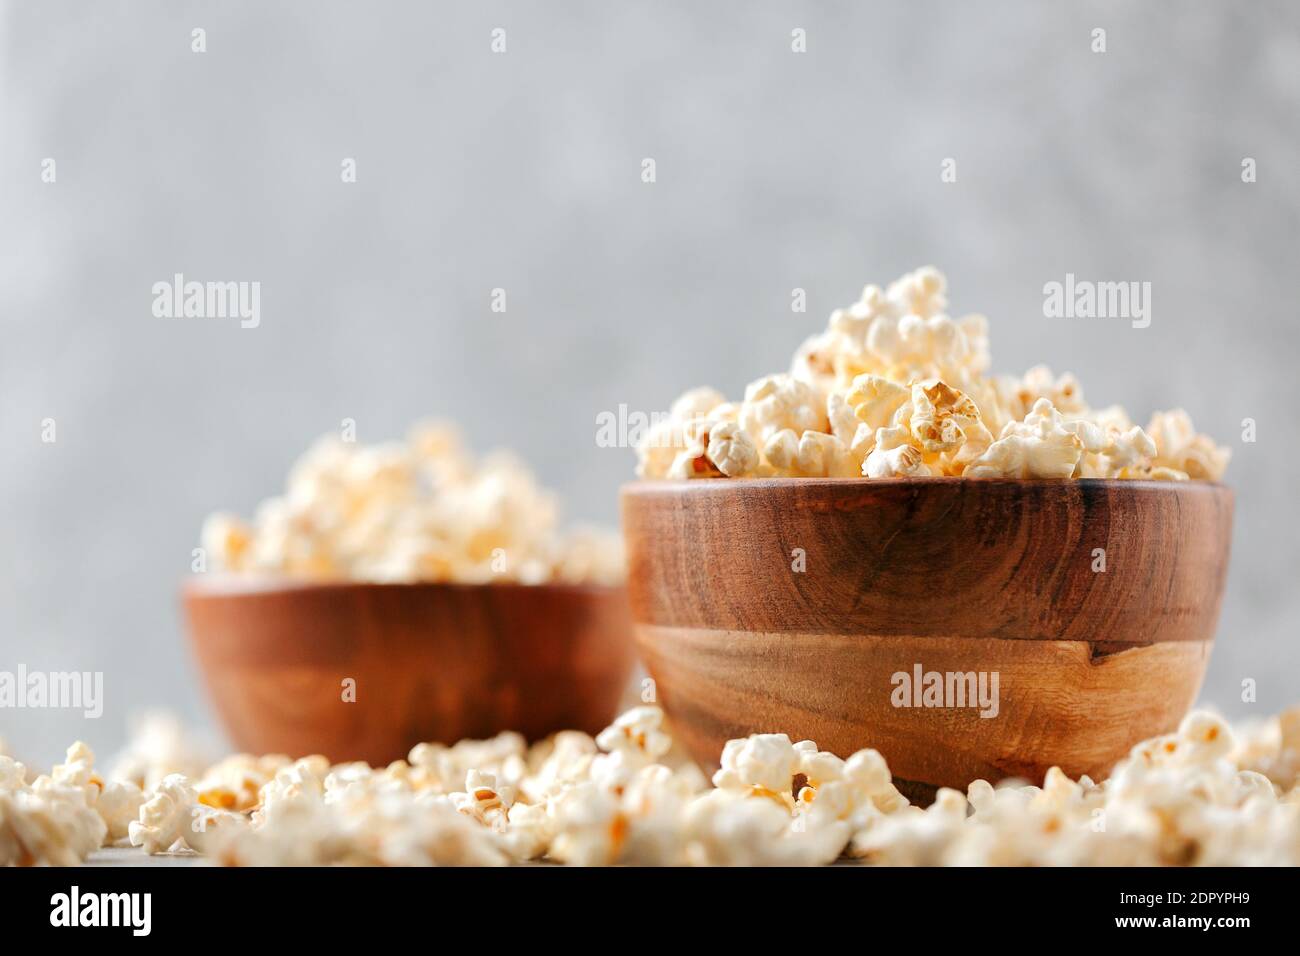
column 521, row 170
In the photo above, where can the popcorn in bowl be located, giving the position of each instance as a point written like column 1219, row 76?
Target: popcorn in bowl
column 1206, row 794
column 896, row 388
column 419, row 510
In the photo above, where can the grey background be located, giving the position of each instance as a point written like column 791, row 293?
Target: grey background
column 775, row 170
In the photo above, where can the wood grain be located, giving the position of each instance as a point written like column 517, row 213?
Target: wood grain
column 954, row 575
column 432, row 662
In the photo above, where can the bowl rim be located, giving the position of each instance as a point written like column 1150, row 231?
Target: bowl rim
column 233, row 584
column 678, row 485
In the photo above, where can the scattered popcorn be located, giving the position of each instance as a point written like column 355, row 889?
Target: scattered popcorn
column 1204, row 795
column 118, row 805
column 117, row 802
column 724, row 829
column 47, row 823
column 760, row 765
column 235, row 783
column 484, row 800
column 159, row 745
column 165, row 817
column 422, row 510
column 638, row 731
column 896, row 388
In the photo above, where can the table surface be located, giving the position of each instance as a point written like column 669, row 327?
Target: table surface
column 133, row 856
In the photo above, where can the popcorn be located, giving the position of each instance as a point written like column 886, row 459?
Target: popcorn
column 47, row 824
column 304, row 779
column 897, row 360
column 814, row 455
column 696, row 403
column 732, row 451
column 875, row 400
column 78, row 768
column 118, row 805
column 639, row 823
column 820, row 360
column 637, row 731
column 920, row 293
column 235, row 782
column 117, row 802
column 555, row 764
column 159, row 745
column 528, row 832
column 761, row 765
column 825, row 456
column 57, row 819
column 658, row 450
column 779, row 402
column 693, row 463
column 1064, row 393
column 165, row 817
column 1207, row 794
column 855, row 322
column 227, row 538
column 419, row 510
column 727, row 830
column 941, row 416
column 1042, row 446
column 307, row 833
column 365, row 829
column 442, row 769
column 483, row 799
column 413, row 835
column 917, row 838
column 893, row 457
column 590, row 825
column 13, row 775
column 842, row 418
column 1179, row 448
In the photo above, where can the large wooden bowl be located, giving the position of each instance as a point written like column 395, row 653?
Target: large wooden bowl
column 431, row 662
column 957, row 576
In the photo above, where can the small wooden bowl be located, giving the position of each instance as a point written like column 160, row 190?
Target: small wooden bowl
column 431, row 662
column 957, row 576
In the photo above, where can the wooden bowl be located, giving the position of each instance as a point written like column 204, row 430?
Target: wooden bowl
column 431, row 662
column 953, row 575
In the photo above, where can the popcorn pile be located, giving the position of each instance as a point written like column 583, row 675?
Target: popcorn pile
column 422, row 510
column 1205, row 795
column 896, row 388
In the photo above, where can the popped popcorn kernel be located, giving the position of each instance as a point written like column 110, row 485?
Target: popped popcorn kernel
column 164, row 818
column 920, row 293
column 779, row 402
column 876, row 399
column 762, row 765
column 732, row 451
column 1180, row 448
column 894, row 457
